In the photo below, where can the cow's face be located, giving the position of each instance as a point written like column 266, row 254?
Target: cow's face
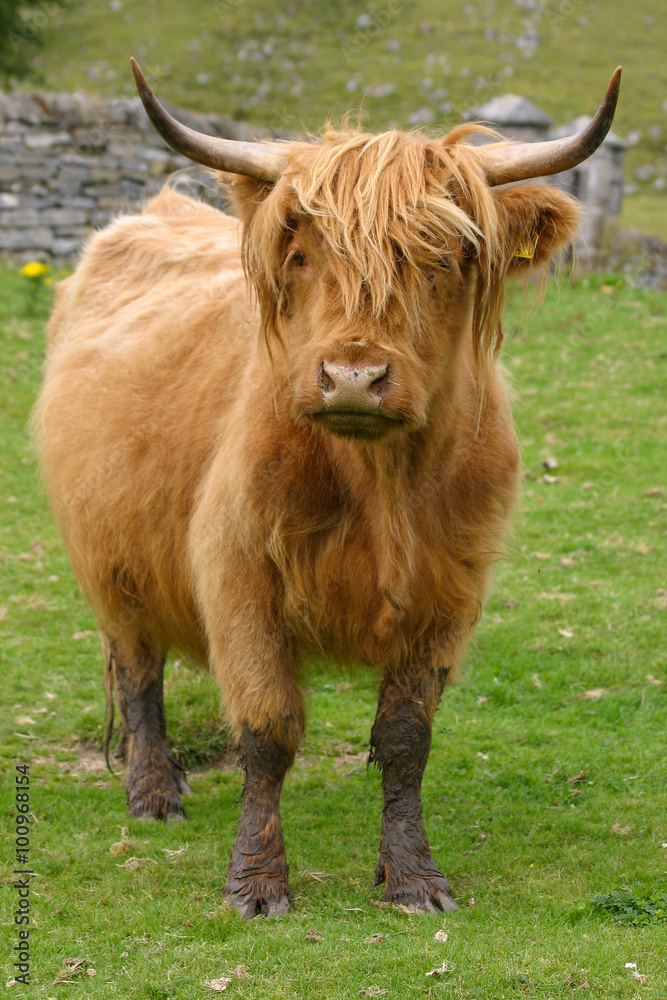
column 361, row 375
column 380, row 275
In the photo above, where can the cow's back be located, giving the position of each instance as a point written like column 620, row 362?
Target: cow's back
column 150, row 341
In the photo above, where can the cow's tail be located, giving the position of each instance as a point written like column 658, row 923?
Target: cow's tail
column 109, row 684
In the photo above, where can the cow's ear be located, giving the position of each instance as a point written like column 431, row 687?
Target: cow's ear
column 245, row 193
column 536, row 221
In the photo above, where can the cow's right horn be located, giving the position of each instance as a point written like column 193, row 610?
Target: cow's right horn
column 263, row 160
column 521, row 161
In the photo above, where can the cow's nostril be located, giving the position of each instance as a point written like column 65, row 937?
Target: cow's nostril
column 326, row 381
column 380, row 383
column 355, row 388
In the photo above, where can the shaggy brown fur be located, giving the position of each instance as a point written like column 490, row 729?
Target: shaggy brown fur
column 208, row 504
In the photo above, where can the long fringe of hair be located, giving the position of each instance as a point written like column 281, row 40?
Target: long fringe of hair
column 387, row 206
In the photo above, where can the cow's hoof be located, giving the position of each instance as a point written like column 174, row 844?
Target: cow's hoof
column 428, row 896
column 422, row 888
column 156, row 793
column 157, row 805
column 252, row 900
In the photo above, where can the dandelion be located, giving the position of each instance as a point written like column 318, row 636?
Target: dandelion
column 34, row 272
column 34, row 269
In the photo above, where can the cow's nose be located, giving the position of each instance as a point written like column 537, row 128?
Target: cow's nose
column 353, row 388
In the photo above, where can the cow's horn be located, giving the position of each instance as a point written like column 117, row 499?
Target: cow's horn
column 263, row 160
column 522, row 160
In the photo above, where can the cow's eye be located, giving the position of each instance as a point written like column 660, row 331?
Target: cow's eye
column 298, row 259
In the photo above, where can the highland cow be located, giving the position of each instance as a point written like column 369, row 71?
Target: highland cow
column 288, row 435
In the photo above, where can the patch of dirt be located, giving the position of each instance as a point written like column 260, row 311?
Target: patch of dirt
column 347, row 754
column 225, row 762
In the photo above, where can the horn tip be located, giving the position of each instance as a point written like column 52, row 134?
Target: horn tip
column 615, row 82
column 139, row 77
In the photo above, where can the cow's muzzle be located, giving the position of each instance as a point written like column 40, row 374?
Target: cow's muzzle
column 352, row 400
column 353, row 388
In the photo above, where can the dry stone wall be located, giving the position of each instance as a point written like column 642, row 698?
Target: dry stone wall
column 70, row 162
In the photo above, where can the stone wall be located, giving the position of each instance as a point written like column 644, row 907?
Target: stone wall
column 69, row 163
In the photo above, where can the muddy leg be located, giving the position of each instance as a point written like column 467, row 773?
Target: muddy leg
column 400, row 744
column 155, row 781
column 257, row 873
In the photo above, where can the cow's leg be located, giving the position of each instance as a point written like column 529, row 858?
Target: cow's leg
column 257, row 873
column 400, row 744
column 155, row 780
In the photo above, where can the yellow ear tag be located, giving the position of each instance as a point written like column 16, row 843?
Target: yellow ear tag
column 527, row 250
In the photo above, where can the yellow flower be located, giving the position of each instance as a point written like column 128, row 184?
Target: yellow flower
column 35, row 269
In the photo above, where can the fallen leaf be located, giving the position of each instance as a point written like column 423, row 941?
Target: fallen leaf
column 557, row 596
column 549, row 463
column 654, row 681
column 313, row 935
column 642, row 549
column 174, row 855
column 218, row 985
column 593, row 695
column 120, row 847
column 653, row 491
column 641, row 976
column 71, row 967
column 241, row 972
column 59, row 913
column 441, row 936
column 82, row 635
column 577, row 777
column 661, row 599
column 134, row 864
column 376, row 938
column 380, row 904
column 25, row 720
column 482, row 700
column 542, row 555
column 318, row 876
column 549, row 480
column 440, row 971
column 372, row 991
column 567, row 562
column 621, row 831
column 566, row 633
column 537, row 682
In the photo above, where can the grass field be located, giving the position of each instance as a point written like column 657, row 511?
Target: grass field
column 292, row 65
column 546, row 784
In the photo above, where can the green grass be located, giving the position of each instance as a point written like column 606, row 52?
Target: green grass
column 290, row 66
column 579, row 607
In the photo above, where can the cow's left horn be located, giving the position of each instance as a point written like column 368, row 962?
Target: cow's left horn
column 263, row 160
column 522, row 160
